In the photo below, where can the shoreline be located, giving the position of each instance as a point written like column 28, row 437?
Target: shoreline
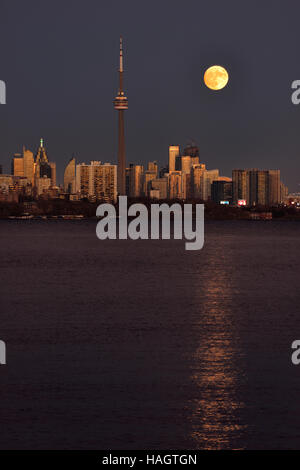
column 95, row 218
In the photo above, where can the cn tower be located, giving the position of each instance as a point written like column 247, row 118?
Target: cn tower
column 120, row 104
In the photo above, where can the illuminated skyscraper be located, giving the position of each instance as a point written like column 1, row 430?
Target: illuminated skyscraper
column 186, row 164
column 121, row 104
column 197, row 180
column 257, row 187
column 42, row 165
column 173, row 154
column 28, row 165
column 175, row 185
column 84, row 180
column 17, row 166
column 97, row 181
column 208, row 177
column 136, row 177
column 274, row 187
column 41, row 156
column 105, row 182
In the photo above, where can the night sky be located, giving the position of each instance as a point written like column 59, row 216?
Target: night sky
column 59, row 60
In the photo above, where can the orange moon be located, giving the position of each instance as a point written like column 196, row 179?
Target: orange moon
column 216, row 77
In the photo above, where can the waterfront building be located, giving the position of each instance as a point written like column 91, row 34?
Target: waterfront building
column 240, row 185
column 97, row 181
column 197, row 180
column 257, row 187
column 105, row 182
column 221, row 191
column 208, row 177
column 274, row 195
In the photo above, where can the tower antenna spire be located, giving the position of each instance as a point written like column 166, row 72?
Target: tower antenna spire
column 121, row 54
column 121, row 66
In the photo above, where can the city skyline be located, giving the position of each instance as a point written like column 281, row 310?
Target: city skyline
column 174, row 149
column 184, row 177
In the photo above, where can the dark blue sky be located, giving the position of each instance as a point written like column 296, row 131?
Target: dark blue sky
column 60, row 59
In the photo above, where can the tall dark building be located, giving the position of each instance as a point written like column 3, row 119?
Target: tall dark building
column 191, row 150
column 221, row 191
column 120, row 104
column 258, row 187
column 240, row 186
column 43, row 167
column 274, row 187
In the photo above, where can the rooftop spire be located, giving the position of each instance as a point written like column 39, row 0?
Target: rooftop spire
column 41, row 142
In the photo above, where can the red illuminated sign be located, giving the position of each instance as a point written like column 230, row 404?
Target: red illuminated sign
column 242, row 202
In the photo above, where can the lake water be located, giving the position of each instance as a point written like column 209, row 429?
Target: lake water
column 143, row 345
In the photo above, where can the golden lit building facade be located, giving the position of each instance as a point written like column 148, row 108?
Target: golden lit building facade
column 70, row 177
column 208, row 177
column 84, row 183
column 197, row 180
column 174, row 152
column 43, row 184
column 97, row 181
column 105, row 182
column 257, row 187
column 17, row 165
column 28, row 160
column 152, row 166
column 148, row 177
column 136, row 178
column 175, row 185
column 160, row 185
column 274, row 187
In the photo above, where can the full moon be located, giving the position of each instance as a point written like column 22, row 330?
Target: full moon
column 216, row 77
